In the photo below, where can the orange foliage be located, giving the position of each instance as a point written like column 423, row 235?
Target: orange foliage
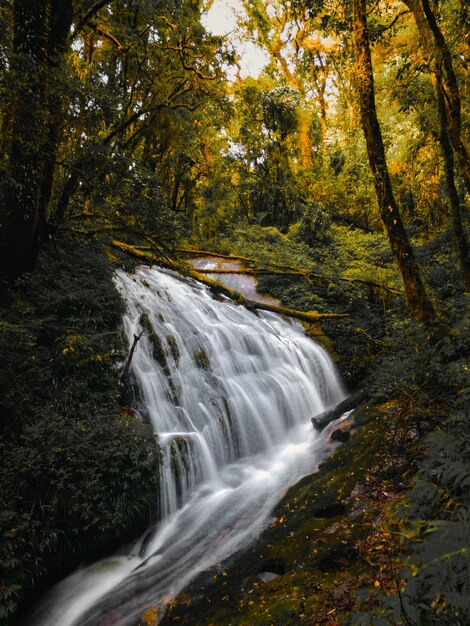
column 150, row 617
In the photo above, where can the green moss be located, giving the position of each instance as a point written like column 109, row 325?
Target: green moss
column 201, row 359
column 180, row 449
column 158, row 351
column 175, row 351
column 309, row 543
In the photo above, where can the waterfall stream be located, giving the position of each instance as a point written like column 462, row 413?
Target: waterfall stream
column 230, row 395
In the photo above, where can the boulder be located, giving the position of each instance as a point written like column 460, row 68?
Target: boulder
column 340, row 435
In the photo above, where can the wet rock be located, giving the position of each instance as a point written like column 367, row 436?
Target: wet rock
column 201, row 359
column 278, row 568
column 266, row 577
column 340, row 435
column 337, row 560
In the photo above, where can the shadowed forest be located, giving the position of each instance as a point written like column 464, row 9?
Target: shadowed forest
column 339, row 177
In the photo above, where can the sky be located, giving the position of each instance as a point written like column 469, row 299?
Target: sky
column 221, row 20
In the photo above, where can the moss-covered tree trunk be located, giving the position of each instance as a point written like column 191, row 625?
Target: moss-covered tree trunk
column 455, row 207
column 418, row 300
column 448, row 101
column 440, row 65
column 40, row 32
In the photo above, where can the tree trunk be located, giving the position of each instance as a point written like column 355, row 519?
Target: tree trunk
column 456, row 210
column 441, row 67
column 320, row 74
column 40, row 33
column 304, row 138
column 60, row 16
column 449, row 107
column 418, row 301
column 20, row 195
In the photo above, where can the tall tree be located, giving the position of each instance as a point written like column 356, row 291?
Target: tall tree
column 40, row 32
column 417, row 298
column 446, row 88
column 445, row 81
column 281, row 30
column 107, row 128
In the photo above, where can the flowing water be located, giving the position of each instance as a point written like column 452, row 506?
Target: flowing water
column 230, row 394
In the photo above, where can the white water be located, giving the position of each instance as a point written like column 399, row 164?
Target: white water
column 232, row 414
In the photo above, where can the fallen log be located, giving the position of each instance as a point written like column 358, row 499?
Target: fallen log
column 310, row 316
column 218, row 255
column 217, row 287
column 351, row 402
column 143, row 252
column 254, row 272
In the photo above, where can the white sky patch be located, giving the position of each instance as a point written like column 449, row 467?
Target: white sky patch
column 221, row 20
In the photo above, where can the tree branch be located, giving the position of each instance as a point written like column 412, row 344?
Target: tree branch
column 394, row 21
column 91, row 13
column 311, row 316
column 302, row 273
column 111, row 38
column 125, row 372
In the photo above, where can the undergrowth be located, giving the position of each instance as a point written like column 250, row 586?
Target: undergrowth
column 78, row 472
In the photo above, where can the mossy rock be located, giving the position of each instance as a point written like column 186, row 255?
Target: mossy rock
column 158, row 351
column 174, row 349
column 201, row 359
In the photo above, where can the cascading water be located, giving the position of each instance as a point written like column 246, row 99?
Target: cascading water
column 230, row 395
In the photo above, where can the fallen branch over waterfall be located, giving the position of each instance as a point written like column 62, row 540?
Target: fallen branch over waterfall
column 276, row 270
column 147, row 253
column 217, row 255
column 219, row 288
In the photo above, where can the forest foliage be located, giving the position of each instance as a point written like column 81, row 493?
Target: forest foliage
column 346, row 157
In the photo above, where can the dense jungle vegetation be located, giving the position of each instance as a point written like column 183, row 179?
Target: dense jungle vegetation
column 340, row 174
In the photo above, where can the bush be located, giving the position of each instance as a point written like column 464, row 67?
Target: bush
column 79, row 472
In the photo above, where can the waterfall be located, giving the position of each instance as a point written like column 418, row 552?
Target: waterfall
column 230, row 395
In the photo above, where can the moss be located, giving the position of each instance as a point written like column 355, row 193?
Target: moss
column 201, row 359
column 180, row 449
column 175, row 351
column 158, row 351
